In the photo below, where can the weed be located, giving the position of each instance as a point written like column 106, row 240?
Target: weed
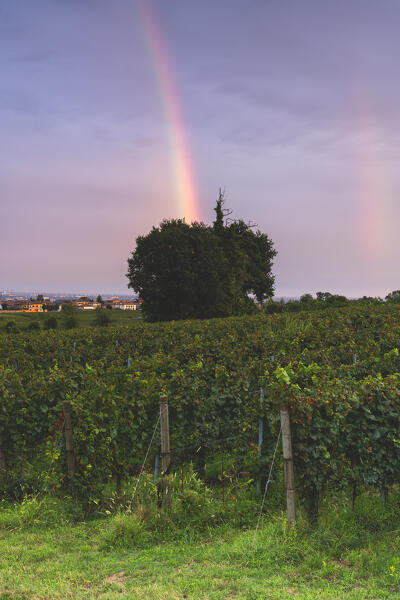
column 121, row 530
column 35, row 511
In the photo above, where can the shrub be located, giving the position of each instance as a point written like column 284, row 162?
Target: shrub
column 35, row 511
column 122, row 529
column 70, row 323
column 69, row 316
column 11, row 327
column 272, row 307
column 51, row 323
column 101, row 317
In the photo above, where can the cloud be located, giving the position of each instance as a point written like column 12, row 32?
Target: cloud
column 288, row 104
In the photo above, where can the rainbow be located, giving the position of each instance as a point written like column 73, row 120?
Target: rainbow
column 370, row 179
column 188, row 202
column 370, row 201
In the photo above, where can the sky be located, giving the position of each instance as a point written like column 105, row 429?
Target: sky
column 117, row 115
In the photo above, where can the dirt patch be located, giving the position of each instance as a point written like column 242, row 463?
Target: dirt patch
column 342, row 563
column 117, row 578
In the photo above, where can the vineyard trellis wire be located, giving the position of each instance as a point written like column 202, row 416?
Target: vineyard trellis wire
column 345, row 412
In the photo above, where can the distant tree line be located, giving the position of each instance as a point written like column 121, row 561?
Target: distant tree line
column 325, row 300
column 66, row 320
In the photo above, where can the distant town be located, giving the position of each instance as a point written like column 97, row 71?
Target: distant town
column 33, row 302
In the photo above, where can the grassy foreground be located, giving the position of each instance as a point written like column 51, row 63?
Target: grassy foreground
column 351, row 555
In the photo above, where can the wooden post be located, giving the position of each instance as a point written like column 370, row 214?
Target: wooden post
column 69, row 443
column 3, row 464
column 288, row 464
column 165, row 489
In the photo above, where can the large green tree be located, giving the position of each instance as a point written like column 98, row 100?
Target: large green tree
column 393, row 296
column 176, row 271
column 195, row 271
column 248, row 256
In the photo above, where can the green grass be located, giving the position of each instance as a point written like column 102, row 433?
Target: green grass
column 85, row 318
column 46, row 553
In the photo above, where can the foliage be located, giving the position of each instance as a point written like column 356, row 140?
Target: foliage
column 322, row 301
column 68, row 315
column 176, row 269
column 393, row 296
column 101, row 317
column 36, row 511
column 51, row 323
column 338, row 370
column 11, row 327
column 51, row 307
column 249, row 256
column 194, row 271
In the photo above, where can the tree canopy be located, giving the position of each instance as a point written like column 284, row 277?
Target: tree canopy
column 197, row 271
column 393, row 296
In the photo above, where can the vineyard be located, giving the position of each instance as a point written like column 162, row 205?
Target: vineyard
column 337, row 370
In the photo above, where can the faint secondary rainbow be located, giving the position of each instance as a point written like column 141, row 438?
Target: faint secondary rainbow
column 371, row 179
column 188, row 203
column 371, row 201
